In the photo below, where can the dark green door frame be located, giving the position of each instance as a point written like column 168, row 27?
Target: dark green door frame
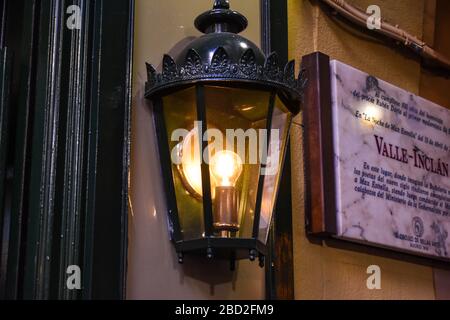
column 72, row 146
column 5, row 82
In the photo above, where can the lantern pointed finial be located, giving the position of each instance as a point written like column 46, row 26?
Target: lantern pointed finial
column 221, row 4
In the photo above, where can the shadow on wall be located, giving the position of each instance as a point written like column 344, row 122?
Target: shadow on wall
column 153, row 268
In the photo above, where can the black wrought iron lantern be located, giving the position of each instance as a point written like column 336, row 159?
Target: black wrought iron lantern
column 223, row 112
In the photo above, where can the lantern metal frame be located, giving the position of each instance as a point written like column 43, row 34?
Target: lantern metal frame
column 219, row 58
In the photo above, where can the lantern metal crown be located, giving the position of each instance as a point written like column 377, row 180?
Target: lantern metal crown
column 222, row 207
column 234, row 58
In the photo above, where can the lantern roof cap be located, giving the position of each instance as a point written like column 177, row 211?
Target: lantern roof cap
column 221, row 19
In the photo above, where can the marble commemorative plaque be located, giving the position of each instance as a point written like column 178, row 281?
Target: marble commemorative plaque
column 392, row 165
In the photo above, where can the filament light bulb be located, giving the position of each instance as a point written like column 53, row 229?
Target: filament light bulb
column 225, row 167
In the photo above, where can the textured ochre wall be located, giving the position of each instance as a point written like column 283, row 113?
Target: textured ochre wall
column 321, row 271
column 436, row 88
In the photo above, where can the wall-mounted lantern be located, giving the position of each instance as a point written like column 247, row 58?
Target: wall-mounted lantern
column 223, row 112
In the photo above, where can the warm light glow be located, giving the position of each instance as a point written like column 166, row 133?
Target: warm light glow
column 371, row 112
column 225, row 167
column 190, row 167
column 193, row 176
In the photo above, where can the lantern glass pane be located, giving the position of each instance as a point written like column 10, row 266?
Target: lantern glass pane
column 236, row 122
column 281, row 120
column 180, row 114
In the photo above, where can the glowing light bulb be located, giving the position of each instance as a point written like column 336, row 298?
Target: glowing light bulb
column 225, row 167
